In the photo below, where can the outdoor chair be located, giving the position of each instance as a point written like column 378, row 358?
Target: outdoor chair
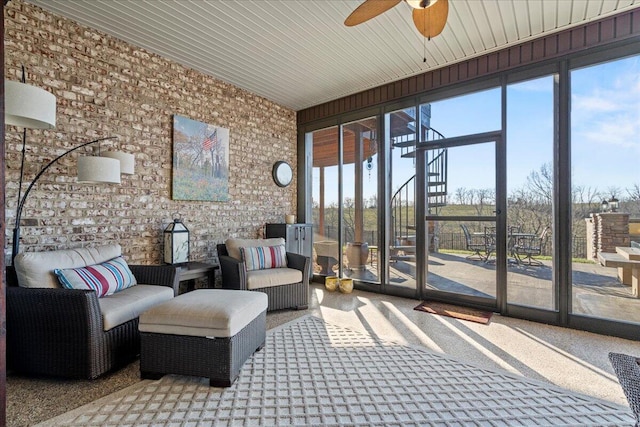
column 627, row 370
column 489, row 242
column 530, row 245
column 477, row 243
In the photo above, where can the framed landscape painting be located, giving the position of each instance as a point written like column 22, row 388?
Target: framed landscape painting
column 200, row 161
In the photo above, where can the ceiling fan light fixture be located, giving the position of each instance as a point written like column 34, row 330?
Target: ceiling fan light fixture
column 420, row 4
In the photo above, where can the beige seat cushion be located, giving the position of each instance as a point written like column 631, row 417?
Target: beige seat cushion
column 234, row 245
column 205, row 313
column 257, row 279
column 35, row 269
column 127, row 304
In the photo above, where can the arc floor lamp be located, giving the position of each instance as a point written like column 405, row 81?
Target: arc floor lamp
column 31, row 107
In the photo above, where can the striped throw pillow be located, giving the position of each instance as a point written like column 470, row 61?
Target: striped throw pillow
column 263, row 257
column 105, row 279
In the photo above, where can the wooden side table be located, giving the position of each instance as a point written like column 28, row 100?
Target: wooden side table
column 197, row 270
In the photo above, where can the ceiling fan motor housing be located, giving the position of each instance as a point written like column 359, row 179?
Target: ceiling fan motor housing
column 419, row 4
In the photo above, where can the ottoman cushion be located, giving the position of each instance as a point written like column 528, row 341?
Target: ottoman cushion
column 205, row 313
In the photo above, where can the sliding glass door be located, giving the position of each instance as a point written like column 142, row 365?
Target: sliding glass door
column 359, row 185
column 325, row 201
column 345, row 201
column 462, row 253
column 605, row 148
column 459, row 155
column 401, row 137
column 530, row 184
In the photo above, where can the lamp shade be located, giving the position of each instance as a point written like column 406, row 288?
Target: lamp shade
column 28, row 106
column 94, row 169
column 127, row 162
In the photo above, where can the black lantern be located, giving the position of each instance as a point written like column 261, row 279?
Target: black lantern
column 614, row 204
column 176, row 243
column 604, row 207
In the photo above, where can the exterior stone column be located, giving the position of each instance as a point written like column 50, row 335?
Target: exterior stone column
column 612, row 229
column 592, row 237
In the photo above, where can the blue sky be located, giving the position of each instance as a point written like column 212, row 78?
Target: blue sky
column 605, row 127
column 606, row 124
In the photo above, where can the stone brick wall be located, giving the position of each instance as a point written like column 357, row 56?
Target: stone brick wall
column 608, row 230
column 107, row 87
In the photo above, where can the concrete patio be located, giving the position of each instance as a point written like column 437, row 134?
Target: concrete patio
column 596, row 289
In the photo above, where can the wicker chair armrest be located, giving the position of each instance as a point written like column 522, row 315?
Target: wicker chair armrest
column 299, row 262
column 161, row 275
column 234, row 275
column 627, row 370
column 53, row 314
column 11, row 276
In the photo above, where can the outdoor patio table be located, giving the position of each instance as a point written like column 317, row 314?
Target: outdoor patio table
column 631, row 253
column 616, row 260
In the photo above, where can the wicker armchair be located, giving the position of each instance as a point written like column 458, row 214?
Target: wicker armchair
column 59, row 332
column 627, row 370
column 293, row 295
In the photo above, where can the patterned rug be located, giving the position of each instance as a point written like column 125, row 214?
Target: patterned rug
column 317, row 374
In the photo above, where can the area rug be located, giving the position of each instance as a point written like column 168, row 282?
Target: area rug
column 455, row 311
column 312, row 373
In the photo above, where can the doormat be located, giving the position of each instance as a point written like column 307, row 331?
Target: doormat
column 455, row 311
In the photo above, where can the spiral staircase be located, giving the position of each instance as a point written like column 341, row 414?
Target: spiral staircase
column 403, row 242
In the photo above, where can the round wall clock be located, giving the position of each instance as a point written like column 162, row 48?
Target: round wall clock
column 282, row 173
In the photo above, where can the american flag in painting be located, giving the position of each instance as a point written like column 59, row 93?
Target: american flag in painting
column 210, row 141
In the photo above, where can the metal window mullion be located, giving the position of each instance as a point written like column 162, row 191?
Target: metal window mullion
column 340, row 197
column 501, row 206
column 562, row 280
column 421, row 189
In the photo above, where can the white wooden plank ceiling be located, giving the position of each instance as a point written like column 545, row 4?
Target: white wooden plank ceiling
column 299, row 53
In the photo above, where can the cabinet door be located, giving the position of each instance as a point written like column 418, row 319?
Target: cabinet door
column 306, row 240
column 292, row 237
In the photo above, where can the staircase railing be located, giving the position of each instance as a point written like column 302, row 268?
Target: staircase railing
column 436, row 179
column 402, row 213
column 402, row 201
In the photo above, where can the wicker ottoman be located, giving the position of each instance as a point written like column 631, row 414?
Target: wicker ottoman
column 208, row 333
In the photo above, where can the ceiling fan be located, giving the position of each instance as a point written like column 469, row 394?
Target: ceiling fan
column 429, row 16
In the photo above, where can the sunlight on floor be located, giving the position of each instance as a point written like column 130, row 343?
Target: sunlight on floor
column 545, row 347
column 413, row 328
column 475, row 344
column 568, row 358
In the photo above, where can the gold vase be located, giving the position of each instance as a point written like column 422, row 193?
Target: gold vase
column 331, row 283
column 346, row 286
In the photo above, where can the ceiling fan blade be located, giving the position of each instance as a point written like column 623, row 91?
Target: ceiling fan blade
column 369, row 9
column 431, row 20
